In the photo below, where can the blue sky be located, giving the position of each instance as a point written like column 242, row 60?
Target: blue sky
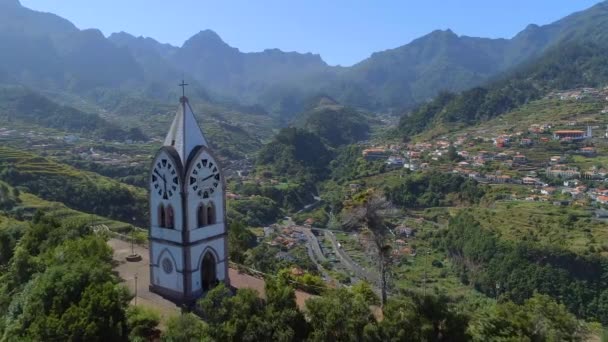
column 341, row 31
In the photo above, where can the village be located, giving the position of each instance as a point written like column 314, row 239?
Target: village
column 560, row 162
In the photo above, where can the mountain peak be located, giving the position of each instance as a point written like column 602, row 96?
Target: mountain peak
column 207, row 38
column 209, row 34
column 443, row 33
column 121, row 35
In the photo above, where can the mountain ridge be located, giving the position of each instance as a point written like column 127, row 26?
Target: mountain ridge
column 387, row 80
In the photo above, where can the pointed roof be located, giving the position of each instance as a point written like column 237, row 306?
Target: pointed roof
column 185, row 133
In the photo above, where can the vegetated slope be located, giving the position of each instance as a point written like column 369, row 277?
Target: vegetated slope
column 295, row 153
column 516, row 270
column 337, row 125
column 566, row 66
column 22, row 105
column 84, row 191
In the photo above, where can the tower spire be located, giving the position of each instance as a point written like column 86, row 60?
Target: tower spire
column 183, row 85
column 185, row 134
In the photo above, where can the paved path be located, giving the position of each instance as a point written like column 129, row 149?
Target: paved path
column 361, row 273
column 314, row 243
column 127, row 270
column 315, row 254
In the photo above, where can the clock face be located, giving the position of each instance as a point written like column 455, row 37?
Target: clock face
column 205, row 178
column 164, row 179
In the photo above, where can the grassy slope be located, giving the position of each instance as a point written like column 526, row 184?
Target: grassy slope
column 40, row 168
column 570, row 228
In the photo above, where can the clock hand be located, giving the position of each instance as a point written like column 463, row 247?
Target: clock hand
column 204, row 179
column 161, row 176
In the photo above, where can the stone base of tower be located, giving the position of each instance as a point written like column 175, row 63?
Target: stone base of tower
column 179, row 298
column 176, row 297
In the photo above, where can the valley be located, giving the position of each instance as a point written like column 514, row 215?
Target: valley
column 421, row 187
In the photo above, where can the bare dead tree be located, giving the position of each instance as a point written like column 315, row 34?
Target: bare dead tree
column 367, row 216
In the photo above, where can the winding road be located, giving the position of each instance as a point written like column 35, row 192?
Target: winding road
column 361, row 273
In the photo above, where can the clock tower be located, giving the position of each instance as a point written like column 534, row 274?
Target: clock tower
column 188, row 242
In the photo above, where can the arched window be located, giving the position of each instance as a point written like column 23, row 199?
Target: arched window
column 201, row 216
column 210, row 213
column 170, row 218
column 161, row 216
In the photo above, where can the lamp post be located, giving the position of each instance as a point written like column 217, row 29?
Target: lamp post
column 133, row 236
column 135, row 288
column 133, row 257
column 132, row 239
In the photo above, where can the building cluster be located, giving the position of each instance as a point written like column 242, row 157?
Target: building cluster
column 238, row 168
column 580, row 94
column 402, row 246
column 108, row 158
column 285, row 238
column 513, row 158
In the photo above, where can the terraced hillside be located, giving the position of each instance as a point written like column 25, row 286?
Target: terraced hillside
column 28, row 204
column 84, row 191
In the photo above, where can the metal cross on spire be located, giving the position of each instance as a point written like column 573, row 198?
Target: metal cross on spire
column 183, row 85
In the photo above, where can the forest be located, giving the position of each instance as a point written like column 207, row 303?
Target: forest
column 516, row 271
column 296, row 153
column 345, row 315
column 336, row 125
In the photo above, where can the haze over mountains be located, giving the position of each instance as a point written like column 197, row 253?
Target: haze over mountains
column 46, row 52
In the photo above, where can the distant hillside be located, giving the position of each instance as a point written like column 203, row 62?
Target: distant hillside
column 566, row 66
column 443, row 61
column 45, row 51
column 19, row 104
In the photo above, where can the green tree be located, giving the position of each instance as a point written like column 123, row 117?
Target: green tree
column 142, row 323
column 538, row 319
column 338, row 316
column 452, row 154
column 240, row 239
column 59, row 285
column 185, row 328
column 365, row 290
column 286, row 320
column 421, row 318
column 235, row 318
